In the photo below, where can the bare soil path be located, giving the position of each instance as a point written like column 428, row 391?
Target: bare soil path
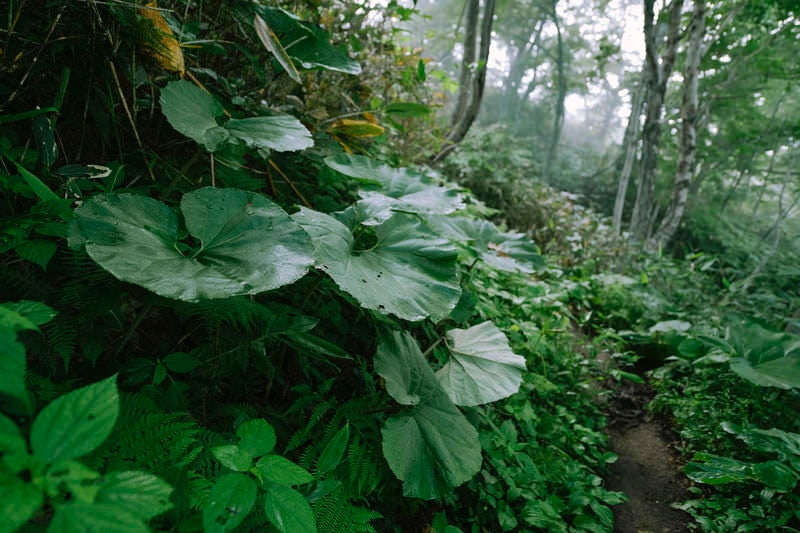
column 647, row 471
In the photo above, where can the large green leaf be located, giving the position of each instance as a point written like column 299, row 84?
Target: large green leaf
column 247, row 243
column 140, row 493
column 282, row 471
column 716, row 470
column 196, row 114
column 431, row 447
column 288, row 510
column 257, row 437
column 191, row 110
column 510, row 252
column 767, row 358
column 409, row 271
column 95, row 518
column 229, row 503
column 76, row 423
column 282, row 133
column 308, row 45
column 482, row 368
column 385, row 188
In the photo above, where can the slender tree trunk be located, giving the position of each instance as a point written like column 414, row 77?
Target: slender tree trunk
column 657, row 76
column 468, row 61
column 558, row 119
column 688, row 147
column 471, row 90
column 629, row 146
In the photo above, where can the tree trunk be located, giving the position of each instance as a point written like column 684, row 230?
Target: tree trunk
column 688, row 147
column 657, row 76
column 470, row 91
column 558, row 119
column 629, row 145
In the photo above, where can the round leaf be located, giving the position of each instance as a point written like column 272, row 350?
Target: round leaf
column 247, row 243
column 190, row 110
column 399, row 361
column 410, row 272
column 76, row 423
column 482, row 368
column 282, row 133
column 257, row 437
column 432, row 448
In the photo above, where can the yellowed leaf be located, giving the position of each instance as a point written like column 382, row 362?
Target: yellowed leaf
column 162, row 45
column 356, row 128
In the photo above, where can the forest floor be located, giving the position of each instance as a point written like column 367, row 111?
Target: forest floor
column 648, row 469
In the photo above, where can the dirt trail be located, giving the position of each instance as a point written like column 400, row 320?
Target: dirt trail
column 647, row 470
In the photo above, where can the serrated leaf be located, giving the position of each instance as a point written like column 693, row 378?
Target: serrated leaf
column 230, row 501
column 282, row 133
column 482, row 367
column 233, row 457
column 95, row 517
column 248, row 244
column 409, row 272
column 257, row 437
column 271, row 43
column 73, row 477
column 288, row 510
column 20, row 502
column 283, row 471
column 76, row 423
column 432, row 447
column 139, row 493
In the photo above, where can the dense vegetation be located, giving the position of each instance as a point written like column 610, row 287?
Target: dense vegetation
column 234, row 296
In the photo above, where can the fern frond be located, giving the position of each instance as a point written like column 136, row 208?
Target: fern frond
column 335, row 514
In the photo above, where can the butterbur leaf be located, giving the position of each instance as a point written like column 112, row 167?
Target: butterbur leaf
column 247, row 245
column 230, row 501
column 408, row 271
column 190, row 110
column 432, row 447
column 282, row 133
column 509, row 252
column 482, row 368
column 76, row 423
column 141, row 494
column 288, row 510
column 257, row 437
column 280, row 470
column 385, row 188
column 409, row 378
column 197, row 114
column 105, row 517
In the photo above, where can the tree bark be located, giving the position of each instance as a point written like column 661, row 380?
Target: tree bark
column 468, row 61
column 657, row 76
column 688, row 147
column 558, row 118
column 471, row 91
column 629, row 145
